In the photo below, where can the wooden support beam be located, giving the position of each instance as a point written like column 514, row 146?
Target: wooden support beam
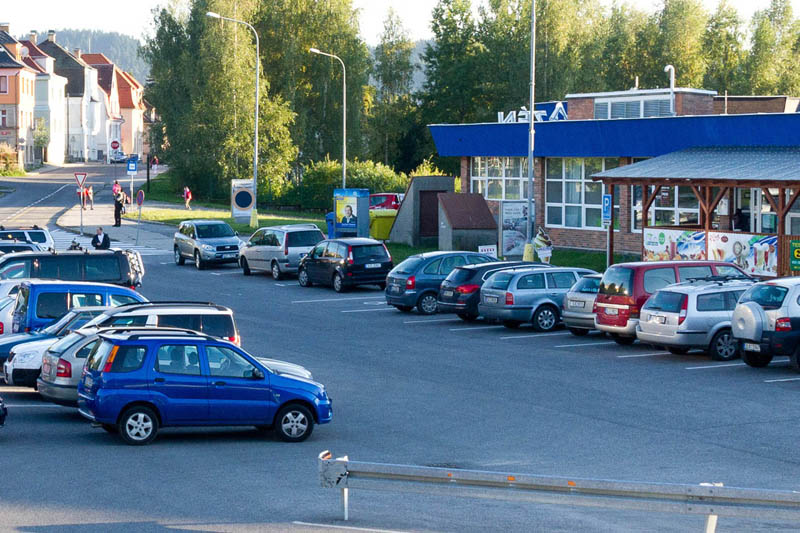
column 795, row 193
column 700, row 200
column 722, row 192
column 771, row 200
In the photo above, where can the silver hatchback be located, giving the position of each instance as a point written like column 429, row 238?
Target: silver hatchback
column 278, row 249
column 62, row 365
column 693, row 315
column 578, row 312
column 533, row 295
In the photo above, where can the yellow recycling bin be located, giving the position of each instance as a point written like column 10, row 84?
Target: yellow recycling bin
column 380, row 223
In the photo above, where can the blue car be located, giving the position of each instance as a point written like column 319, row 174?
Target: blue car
column 138, row 381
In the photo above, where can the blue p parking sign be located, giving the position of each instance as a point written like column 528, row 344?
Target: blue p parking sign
column 607, row 209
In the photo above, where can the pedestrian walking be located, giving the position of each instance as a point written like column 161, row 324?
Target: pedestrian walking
column 89, row 196
column 101, row 241
column 187, row 197
column 116, row 188
column 119, row 199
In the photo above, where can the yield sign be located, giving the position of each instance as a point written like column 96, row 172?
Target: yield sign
column 80, row 177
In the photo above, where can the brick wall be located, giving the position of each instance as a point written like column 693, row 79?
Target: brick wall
column 740, row 105
column 580, row 108
column 465, row 161
column 694, row 104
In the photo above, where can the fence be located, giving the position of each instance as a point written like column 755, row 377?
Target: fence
column 709, row 499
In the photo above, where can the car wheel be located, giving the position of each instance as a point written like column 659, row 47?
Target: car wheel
column 404, row 308
column 427, row 304
column 676, row 350
column 467, row 317
column 276, row 271
column 382, row 286
column 512, row 324
column 245, row 266
column 302, row 278
column 794, row 360
column 294, row 423
column 545, row 318
column 756, row 360
column 111, row 428
column 138, row 425
column 338, row 283
column 579, row 332
column 199, row 263
column 179, row 259
column 723, row 346
column 624, row 341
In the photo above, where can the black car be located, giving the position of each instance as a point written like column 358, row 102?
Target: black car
column 119, row 267
column 460, row 292
column 344, row 263
column 415, row 282
column 10, row 247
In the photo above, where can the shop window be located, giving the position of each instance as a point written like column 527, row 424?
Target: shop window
column 573, row 199
column 499, row 178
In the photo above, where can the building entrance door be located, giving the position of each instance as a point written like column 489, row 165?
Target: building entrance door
column 429, row 213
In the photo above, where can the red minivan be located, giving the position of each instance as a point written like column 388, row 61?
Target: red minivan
column 626, row 287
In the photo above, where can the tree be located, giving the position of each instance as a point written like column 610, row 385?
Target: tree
column 724, row 54
column 623, row 55
column 774, row 51
column 681, row 30
column 41, row 136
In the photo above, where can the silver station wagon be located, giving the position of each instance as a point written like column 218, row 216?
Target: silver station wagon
column 278, row 249
column 693, row 315
column 534, row 295
column 578, row 312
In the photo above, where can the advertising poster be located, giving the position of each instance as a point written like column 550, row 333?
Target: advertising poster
column 543, row 246
column 346, row 212
column 673, row 245
column 514, row 221
column 755, row 254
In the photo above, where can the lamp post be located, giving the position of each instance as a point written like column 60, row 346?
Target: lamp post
column 254, row 214
column 528, row 253
column 344, row 112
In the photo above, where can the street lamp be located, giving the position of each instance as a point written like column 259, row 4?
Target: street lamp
column 528, row 254
column 254, row 214
column 344, row 112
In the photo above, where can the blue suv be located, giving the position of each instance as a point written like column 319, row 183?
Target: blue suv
column 138, row 381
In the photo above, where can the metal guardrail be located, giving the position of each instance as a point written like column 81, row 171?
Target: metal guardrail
column 709, row 499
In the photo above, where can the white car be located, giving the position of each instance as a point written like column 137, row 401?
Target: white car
column 6, row 314
column 25, row 362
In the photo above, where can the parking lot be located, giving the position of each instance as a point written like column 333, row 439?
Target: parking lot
column 427, row 390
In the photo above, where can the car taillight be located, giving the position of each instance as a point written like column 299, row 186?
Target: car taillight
column 467, row 289
column 27, row 330
column 411, row 282
column 349, row 255
column 1, row 328
column 384, row 247
column 235, row 339
column 64, row 369
column 594, row 308
column 509, row 299
column 684, row 307
column 783, row 324
column 286, row 246
column 110, row 360
column 633, row 311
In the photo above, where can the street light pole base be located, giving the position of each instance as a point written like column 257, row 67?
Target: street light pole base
column 254, row 218
column 528, row 254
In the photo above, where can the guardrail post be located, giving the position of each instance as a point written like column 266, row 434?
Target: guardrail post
column 346, row 495
column 711, row 520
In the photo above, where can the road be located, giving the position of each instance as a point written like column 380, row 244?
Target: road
column 408, row 389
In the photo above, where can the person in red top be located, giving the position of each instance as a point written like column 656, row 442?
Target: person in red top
column 116, row 188
column 187, row 197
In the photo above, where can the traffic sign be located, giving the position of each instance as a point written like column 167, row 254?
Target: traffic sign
column 114, row 144
column 140, row 198
column 794, row 256
column 80, row 178
column 132, row 166
column 607, row 210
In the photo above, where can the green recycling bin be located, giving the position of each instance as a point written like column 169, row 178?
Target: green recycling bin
column 381, row 222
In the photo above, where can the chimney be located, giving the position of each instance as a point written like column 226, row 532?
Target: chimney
column 4, row 26
column 34, row 36
column 51, row 36
column 77, row 52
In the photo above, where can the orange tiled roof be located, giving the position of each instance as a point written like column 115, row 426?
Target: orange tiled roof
column 34, row 65
column 33, row 50
column 96, row 59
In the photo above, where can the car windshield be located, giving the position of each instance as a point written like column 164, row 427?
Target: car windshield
column 61, row 345
column 304, row 238
column 499, row 281
column 617, row 281
column 369, row 250
column 767, row 296
column 587, row 285
column 667, row 301
column 409, row 266
column 213, row 231
column 459, row 275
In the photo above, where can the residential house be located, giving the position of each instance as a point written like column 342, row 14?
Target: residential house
column 85, row 116
column 50, row 102
column 131, row 101
column 17, row 99
column 111, row 117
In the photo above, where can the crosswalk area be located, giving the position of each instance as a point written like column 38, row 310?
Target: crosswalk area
column 63, row 240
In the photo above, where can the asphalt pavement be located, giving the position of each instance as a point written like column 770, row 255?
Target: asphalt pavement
column 417, row 390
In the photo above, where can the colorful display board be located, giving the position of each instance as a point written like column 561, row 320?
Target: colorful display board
column 755, row 254
column 673, row 245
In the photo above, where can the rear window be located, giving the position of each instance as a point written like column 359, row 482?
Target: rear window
column 617, row 281
column 220, row 326
column 15, row 269
column 98, row 355
column 37, row 236
column 666, row 301
column 304, row 238
column 102, row 268
column 128, row 358
column 587, row 285
column 368, row 251
column 21, row 306
column 767, row 296
column 460, row 275
column 499, row 281
column 62, row 344
column 658, row 278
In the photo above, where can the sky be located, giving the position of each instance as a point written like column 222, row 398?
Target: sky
column 100, row 15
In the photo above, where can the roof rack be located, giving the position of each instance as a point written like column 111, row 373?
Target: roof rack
column 720, row 280
column 143, row 332
column 169, row 302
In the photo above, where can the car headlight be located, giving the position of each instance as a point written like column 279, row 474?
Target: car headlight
column 207, row 247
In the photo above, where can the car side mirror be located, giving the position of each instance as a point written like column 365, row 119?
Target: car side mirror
column 249, row 244
column 257, row 374
column 236, row 233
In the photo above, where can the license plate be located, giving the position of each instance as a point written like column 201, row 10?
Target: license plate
column 611, row 311
column 750, row 347
column 88, row 382
column 447, row 294
column 658, row 319
column 576, row 303
column 229, row 255
column 491, row 300
column 395, row 288
column 373, row 265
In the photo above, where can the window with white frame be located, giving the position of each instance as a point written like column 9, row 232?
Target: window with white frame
column 3, row 118
column 500, row 178
column 3, row 84
column 672, row 207
column 572, row 198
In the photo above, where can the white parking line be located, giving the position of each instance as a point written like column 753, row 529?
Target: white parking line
column 583, row 344
column 713, row 366
column 476, row 327
column 224, row 273
column 347, row 528
column 19, row 405
column 779, row 380
column 336, row 299
column 533, row 335
column 432, row 320
column 642, row 355
column 368, row 310
column 281, row 284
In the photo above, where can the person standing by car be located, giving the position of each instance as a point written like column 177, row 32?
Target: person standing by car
column 119, row 198
column 187, row 197
column 101, row 241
